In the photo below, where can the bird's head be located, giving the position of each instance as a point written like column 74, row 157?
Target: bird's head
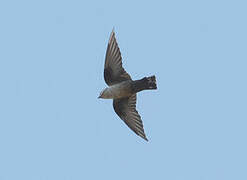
column 105, row 94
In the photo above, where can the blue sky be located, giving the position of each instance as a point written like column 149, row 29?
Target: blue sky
column 52, row 126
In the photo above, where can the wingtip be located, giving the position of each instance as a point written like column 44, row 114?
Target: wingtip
column 112, row 35
column 144, row 137
column 113, row 31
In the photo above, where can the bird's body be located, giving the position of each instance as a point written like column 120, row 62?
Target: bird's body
column 128, row 88
column 122, row 89
column 116, row 91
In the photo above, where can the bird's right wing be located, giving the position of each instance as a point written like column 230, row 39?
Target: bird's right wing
column 113, row 70
column 126, row 110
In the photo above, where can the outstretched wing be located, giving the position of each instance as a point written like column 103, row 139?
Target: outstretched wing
column 113, row 70
column 126, row 110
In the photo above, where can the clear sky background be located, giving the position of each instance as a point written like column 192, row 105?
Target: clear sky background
column 53, row 127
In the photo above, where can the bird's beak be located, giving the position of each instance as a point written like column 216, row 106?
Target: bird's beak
column 99, row 97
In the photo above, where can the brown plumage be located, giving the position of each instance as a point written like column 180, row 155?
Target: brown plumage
column 122, row 89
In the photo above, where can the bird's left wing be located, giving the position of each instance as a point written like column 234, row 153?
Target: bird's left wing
column 113, row 70
column 126, row 110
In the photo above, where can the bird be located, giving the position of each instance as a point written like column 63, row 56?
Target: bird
column 122, row 89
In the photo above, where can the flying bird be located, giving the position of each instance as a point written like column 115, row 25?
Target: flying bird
column 122, row 89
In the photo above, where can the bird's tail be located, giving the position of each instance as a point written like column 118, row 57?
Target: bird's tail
column 151, row 82
column 146, row 83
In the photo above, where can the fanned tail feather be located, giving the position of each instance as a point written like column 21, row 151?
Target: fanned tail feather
column 152, row 82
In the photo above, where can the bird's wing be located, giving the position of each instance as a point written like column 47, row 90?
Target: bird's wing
column 126, row 110
column 113, row 70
